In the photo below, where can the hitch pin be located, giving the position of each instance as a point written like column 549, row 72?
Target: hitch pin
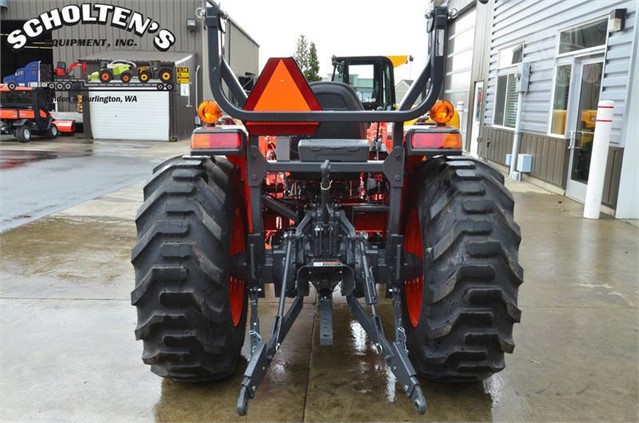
column 325, row 186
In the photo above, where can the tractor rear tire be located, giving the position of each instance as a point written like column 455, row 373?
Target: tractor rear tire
column 144, row 76
column 191, row 308
column 23, row 133
column 459, row 313
column 166, row 75
column 106, row 75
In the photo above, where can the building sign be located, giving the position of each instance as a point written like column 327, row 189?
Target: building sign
column 183, row 76
column 91, row 14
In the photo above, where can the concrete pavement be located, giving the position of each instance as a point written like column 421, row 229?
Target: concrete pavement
column 68, row 352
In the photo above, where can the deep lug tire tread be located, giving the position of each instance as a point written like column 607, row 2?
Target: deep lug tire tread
column 181, row 261
column 471, row 275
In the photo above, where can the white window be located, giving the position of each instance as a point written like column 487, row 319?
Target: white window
column 587, row 36
column 511, row 56
column 579, row 41
column 506, row 101
column 506, row 92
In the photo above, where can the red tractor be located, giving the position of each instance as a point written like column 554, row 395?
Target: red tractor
column 341, row 215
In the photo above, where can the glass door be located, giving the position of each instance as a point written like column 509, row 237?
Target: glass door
column 587, row 86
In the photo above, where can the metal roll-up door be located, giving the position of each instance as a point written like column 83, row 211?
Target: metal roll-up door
column 130, row 115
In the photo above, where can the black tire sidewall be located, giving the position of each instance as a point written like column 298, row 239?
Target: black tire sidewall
column 24, row 133
column 216, row 352
column 52, row 132
column 432, row 354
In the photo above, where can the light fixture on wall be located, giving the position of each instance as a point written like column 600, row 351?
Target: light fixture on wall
column 617, row 20
column 191, row 25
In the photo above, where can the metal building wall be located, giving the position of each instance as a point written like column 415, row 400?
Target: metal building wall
column 170, row 14
column 536, row 24
column 240, row 51
column 465, row 66
column 459, row 62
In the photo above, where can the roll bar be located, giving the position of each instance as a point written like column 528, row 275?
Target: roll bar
column 434, row 71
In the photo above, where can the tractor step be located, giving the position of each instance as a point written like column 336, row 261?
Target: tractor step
column 326, row 320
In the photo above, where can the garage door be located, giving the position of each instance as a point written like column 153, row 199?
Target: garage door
column 130, row 115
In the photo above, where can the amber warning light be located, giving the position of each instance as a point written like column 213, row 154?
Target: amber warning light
column 442, row 112
column 209, row 112
column 281, row 87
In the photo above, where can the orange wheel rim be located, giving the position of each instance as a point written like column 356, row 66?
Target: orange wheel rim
column 105, row 76
column 413, row 288
column 237, row 286
column 166, row 76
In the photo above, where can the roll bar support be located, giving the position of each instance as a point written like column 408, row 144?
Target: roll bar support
column 434, row 71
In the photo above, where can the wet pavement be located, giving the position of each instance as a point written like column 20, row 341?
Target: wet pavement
column 47, row 176
column 68, row 352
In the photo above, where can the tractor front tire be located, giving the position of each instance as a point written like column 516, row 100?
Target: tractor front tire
column 191, row 307
column 125, row 77
column 459, row 313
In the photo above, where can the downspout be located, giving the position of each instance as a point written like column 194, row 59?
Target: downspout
column 516, row 139
column 197, row 103
column 523, row 78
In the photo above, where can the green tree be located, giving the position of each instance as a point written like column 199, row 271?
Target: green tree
column 312, row 72
column 306, row 58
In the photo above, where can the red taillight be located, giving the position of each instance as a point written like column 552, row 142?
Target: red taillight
column 423, row 140
column 433, row 141
column 215, row 139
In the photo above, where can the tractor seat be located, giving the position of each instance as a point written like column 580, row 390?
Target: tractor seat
column 338, row 96
column 333, row 140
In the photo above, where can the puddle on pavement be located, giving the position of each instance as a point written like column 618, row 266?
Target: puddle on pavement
column 10, row 159
column 349, row 381
column 67, row 258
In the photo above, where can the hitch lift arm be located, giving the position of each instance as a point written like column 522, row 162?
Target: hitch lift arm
column 261, row 353
column 395, row 353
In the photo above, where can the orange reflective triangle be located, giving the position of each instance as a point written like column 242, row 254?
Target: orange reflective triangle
column 281, row 87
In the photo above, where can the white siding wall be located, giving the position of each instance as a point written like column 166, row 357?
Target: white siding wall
column 536, row 23
column 460, row 60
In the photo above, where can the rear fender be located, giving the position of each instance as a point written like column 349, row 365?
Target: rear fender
column 21, row 122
